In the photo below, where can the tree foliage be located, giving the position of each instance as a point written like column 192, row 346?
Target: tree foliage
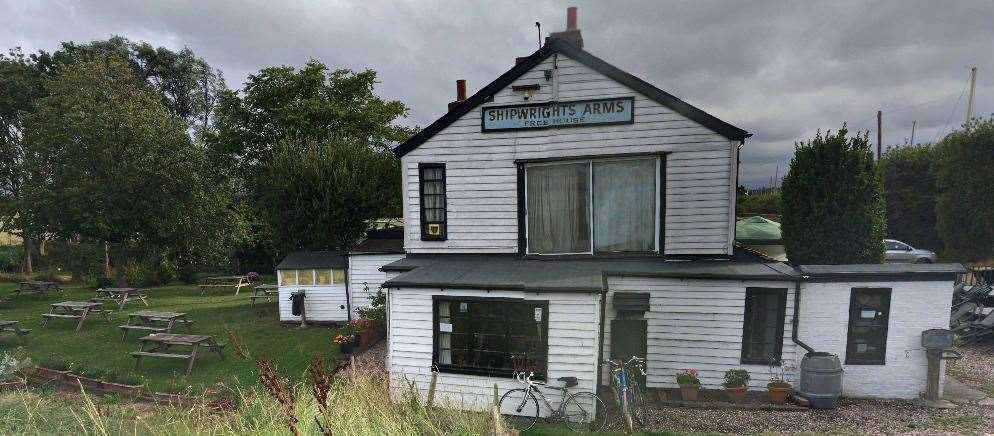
column 833, row 206
column 312, row 104
column 909, row 176
column 104, row 152
column 966, row 183
column 321, row 195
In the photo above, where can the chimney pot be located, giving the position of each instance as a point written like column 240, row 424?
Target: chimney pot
column 460, row 90
column 571, row 18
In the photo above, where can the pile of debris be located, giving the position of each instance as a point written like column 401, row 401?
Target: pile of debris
column 972, row 317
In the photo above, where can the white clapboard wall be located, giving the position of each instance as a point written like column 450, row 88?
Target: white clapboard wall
column 365, row 277
column 573, row 342
column 321, row 304
column 481, row 174
column 697, row 324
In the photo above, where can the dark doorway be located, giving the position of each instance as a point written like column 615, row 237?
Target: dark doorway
column 629, row 337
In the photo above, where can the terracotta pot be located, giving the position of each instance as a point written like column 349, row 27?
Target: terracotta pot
column 778, row 392
column 736, row 394
column 690, row 392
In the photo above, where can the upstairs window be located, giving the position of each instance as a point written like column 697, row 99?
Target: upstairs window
column 431, row 179
column 869, row 312
column 762, row 330
column 599, row 206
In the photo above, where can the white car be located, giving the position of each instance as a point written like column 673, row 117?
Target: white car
column 899, row 252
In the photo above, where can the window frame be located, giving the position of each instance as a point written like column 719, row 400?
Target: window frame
column 747, row 325
column 888, row 293
column 659, row 197
column 443, row 235
column 486, row 372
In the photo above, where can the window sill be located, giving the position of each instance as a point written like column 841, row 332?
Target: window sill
column 482, row 372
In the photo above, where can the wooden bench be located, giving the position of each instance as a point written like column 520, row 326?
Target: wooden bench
column 77, row 310
column 164, row 341
column 264, row 291
column 153, row 321
column 235, row 282
column 14, row 327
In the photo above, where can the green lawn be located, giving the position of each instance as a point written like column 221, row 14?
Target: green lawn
column 98, row 345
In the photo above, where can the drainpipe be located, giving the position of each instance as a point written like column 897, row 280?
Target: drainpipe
column 796, row 321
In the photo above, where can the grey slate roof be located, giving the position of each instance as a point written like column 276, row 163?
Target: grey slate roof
column 888, row 271
column 507, row 272
column 313, row 259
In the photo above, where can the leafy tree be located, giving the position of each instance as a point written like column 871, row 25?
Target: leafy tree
column 188, row 86
column 966, row 185
column 321, row 195
column 281, row 103
column 911, row 191
column 103, row 151
column 21, row 79
column 833, row 207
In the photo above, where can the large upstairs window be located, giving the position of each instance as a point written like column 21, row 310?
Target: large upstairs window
column 593, row 206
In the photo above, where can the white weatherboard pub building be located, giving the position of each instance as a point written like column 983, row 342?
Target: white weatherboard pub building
column 568, row 212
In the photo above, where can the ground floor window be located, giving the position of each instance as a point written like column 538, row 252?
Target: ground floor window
column 762, row 329
column 869, row 311
column 490, row 336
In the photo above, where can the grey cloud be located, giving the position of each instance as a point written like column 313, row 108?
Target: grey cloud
column 779, row 69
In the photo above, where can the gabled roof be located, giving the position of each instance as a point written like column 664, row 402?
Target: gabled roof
column 555, row 45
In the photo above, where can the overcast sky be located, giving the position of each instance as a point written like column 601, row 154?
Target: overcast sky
column 780, row 70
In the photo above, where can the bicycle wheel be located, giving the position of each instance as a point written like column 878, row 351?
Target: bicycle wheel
column 636, row 404
column 519, row 408
column 585, row 411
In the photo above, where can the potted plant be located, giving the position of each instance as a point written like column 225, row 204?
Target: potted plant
column 735, row 384
column 346, row 343
column 690, row 384
column 364, row 329
column 778, row 387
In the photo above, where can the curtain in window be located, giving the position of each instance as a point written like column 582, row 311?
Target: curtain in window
column 558, row 211
column 625, row 205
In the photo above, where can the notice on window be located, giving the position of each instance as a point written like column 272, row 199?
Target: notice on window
column 861, row 348
column 538, row 314
column 463, row 307
column 868, row 314
column 445, row 327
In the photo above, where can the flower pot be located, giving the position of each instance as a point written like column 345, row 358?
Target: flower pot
column 736, row 393
column 690, row 392
column 778, row 392
column 365, row 337
column 346, row 347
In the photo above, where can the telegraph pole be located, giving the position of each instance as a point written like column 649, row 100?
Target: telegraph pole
column 913, row 132
column 880, row 135
column 973, row 88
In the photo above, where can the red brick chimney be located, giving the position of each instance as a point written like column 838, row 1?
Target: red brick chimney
column 572, row 32
column 460, row 93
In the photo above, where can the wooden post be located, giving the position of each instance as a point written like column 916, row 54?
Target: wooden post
column 352, row 367
column 932, row 382
column 431, row 388
column 973, row 88
column 880, row 134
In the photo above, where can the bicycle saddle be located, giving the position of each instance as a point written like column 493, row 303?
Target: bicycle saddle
column 570, row 381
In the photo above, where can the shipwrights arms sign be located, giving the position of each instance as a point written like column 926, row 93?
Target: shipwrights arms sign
column 559, row 114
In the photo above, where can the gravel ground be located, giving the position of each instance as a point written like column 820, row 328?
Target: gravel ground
column 854, row 416
column 371, row 362
column 976, row 368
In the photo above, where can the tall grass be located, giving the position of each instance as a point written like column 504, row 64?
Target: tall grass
column 355, row 407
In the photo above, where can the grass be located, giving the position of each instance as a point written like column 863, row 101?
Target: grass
column 354, row 408
column 98, row 348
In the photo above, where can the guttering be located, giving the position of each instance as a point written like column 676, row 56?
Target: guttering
column 795, row 322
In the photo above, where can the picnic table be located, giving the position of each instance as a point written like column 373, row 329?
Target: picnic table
column 36, row 287
column 163, row 342
column 152, row 321
column 264, row 291
column 121, row 296
column 236, row 282
column 78, row 310
column 13, row 327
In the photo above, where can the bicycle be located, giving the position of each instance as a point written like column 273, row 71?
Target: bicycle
column 628, row 391
column 580, row 411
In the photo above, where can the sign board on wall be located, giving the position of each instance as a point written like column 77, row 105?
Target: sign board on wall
column 549, row 115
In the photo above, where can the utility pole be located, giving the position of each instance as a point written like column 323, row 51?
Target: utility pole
column 913, row 132
column 973, row 88
column 880, row 135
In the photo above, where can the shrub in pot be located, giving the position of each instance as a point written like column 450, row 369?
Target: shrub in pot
column 735, row 384
column 690, row 384
column 778, row 389
column 346, row 343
